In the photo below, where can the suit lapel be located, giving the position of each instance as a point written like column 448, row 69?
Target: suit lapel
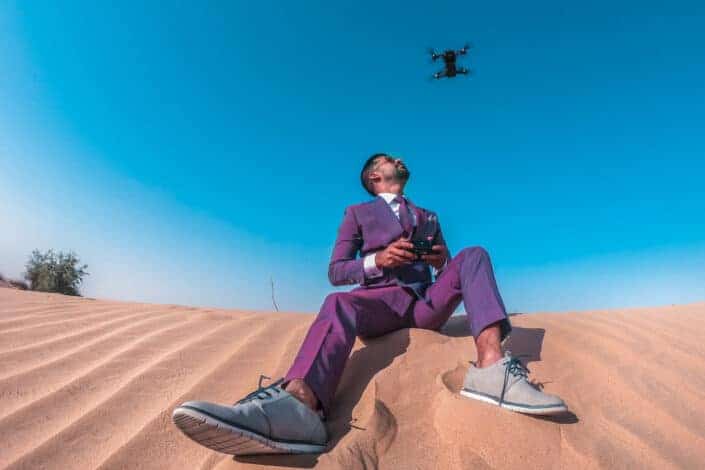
column 388, row 221
column 385, row 216
column 420, row 215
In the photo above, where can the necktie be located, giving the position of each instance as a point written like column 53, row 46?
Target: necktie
column 404, row 216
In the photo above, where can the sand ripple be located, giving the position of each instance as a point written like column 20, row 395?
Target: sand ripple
column 91, row 384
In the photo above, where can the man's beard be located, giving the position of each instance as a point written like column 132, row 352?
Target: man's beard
column 402, row 174
column 399, row 176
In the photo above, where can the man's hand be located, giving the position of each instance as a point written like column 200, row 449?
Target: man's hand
column 395, row 254
column 438, row 258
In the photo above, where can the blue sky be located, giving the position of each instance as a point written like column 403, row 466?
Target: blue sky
column 189, row 153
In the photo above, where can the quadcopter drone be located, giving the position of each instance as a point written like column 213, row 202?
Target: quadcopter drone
column 449, row 56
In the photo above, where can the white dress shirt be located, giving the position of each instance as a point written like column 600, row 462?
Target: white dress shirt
column 369, row 264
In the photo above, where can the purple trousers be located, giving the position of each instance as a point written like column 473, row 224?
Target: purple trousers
column 344, row 315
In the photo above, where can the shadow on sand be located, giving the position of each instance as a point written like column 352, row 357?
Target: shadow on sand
column 377, row 354
column 526, row 342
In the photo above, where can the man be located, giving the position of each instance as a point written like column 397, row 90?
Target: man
column 396, row 291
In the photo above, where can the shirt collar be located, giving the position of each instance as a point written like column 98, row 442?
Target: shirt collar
column 388, row 197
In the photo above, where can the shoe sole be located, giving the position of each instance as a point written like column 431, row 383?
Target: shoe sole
column 228, row 439
column 543, row 410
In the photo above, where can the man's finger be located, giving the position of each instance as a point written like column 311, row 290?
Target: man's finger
column 403, row 244
column 396, row 252
column 396, row 256
column 438, row 247
column 399, row 262
column 403, row 253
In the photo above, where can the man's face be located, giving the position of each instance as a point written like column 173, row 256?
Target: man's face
column 392, row 170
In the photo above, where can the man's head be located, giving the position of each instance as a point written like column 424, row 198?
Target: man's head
column 383, row 173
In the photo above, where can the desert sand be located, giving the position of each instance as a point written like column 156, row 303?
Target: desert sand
column 91, row 384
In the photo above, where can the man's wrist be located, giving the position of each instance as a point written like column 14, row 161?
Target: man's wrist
column 370, row 266
column 437, row 271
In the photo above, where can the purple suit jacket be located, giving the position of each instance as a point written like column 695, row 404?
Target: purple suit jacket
column 369, row 227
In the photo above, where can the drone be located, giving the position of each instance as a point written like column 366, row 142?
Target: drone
column 449, row 56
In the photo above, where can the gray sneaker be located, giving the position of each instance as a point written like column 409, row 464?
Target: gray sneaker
column 505, row 383
column 267, row 421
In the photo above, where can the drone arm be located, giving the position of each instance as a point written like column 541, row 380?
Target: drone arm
column 464, row 50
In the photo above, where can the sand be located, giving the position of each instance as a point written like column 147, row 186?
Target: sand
column 91, row 384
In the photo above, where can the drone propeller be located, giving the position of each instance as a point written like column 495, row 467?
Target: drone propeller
column 434, row 55
column 436, row 76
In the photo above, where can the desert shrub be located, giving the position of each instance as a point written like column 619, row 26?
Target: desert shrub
column 55, row 272
column 18, row 284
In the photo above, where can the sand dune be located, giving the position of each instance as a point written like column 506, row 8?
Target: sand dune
column 91, row 384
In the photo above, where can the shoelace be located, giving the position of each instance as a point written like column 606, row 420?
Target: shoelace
column 262, row 392
column 513, row 367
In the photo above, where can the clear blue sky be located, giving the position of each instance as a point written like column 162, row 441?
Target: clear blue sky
column 189, row 151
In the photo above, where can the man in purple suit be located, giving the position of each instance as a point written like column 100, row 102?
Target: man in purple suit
column 398, row 288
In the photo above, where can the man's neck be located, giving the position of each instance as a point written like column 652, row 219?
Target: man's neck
column 387, row 196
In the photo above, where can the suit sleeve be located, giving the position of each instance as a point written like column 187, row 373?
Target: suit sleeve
column 344, row 268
